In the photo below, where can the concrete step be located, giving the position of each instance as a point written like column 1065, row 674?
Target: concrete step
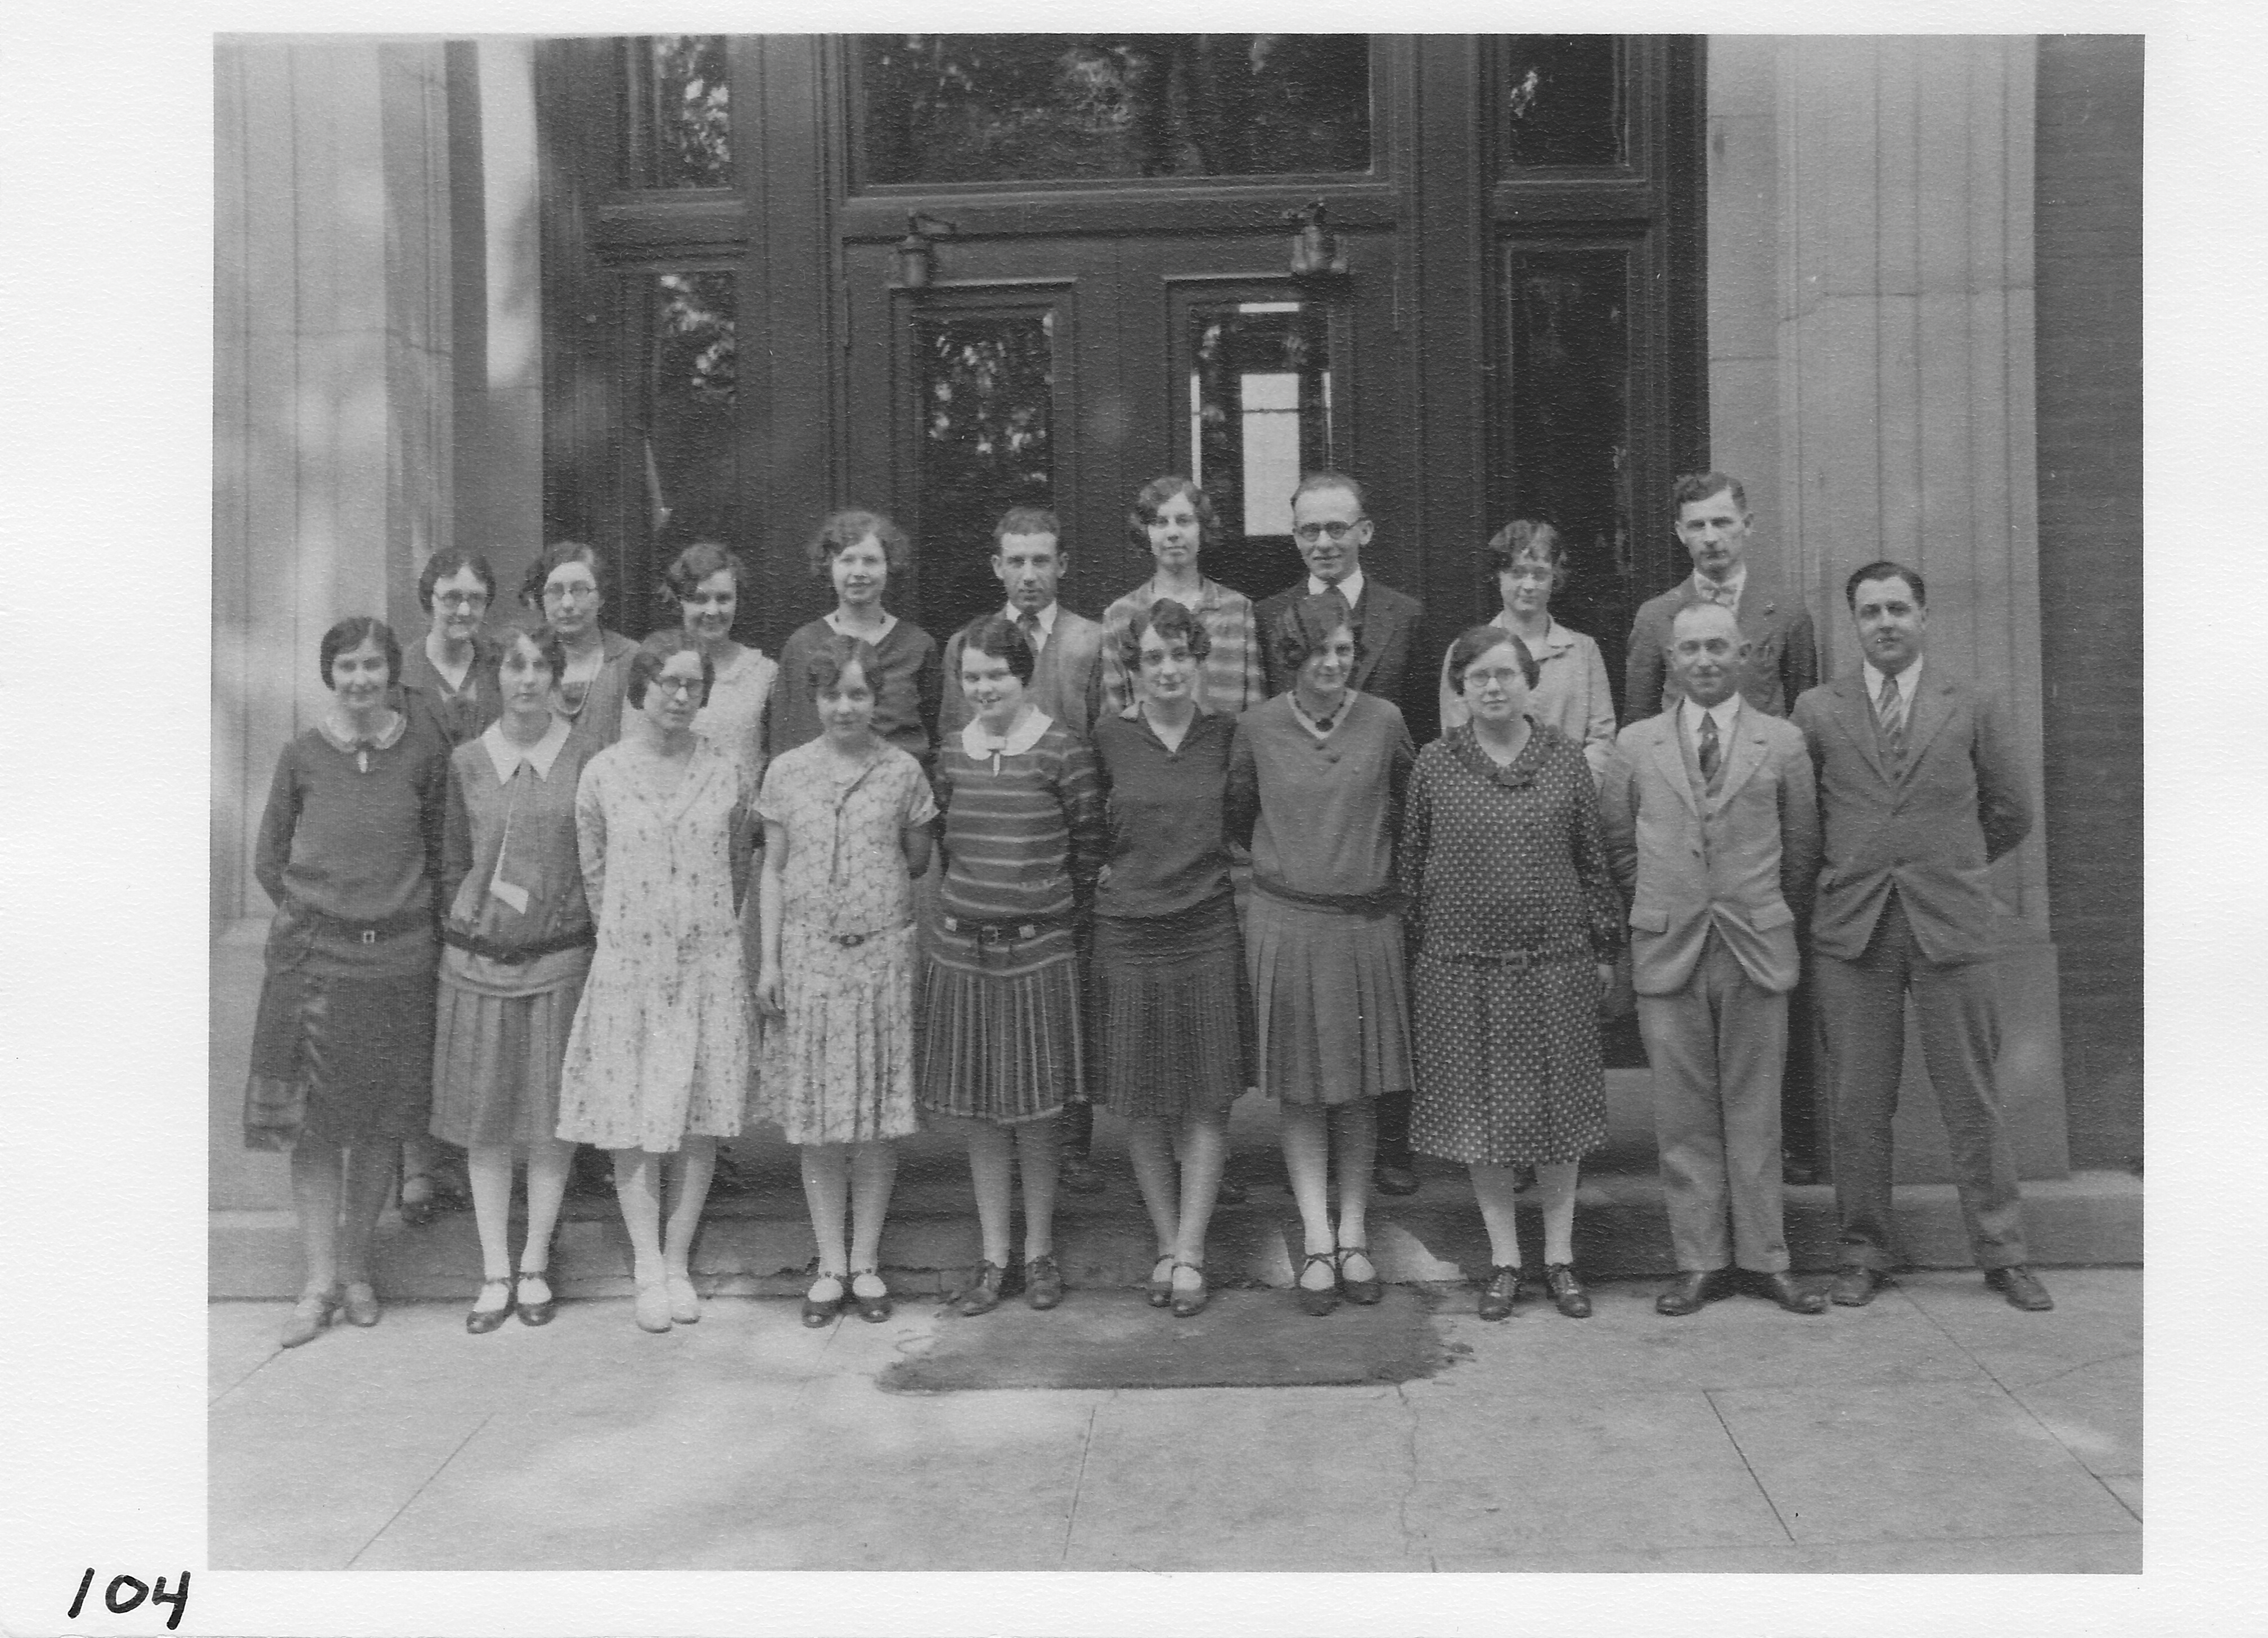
column 758, row 1241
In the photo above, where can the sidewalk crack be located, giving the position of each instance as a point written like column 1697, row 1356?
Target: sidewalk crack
column 471, row 1433
column 1710, row 1394
column 1078, row 1484
column 1410, row 1489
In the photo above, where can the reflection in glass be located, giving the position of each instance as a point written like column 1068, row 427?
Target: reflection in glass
column 1005, row 107
column 1570, row 428
column 1562, row 101
column 688, row 456
column 680, row 112
column 1260, row 414
column 987, row 383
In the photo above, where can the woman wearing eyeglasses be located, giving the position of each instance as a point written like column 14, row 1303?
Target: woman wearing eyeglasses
column 658, row 1059
column 566, row 587
column 1526, row 562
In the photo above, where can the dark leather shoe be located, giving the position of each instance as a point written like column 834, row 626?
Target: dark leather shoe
column 1317, row 1301
column 1077, row 1174
column 1363, row 1291
column 1043, row 1285
column 819, row 1312
column 1394, row 1177
column 1567, row 1293
column 982, row 1294
column 1692, row 1290
column 1501, row 1295
column 481, row 1321
column 535, row 1313
column 872, row 1310
column 2021, row 1286
column 1783, row 1290
column 1855, row 1285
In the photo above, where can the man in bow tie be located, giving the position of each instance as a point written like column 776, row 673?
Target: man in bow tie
column 1712, row 825
column 1919, row 790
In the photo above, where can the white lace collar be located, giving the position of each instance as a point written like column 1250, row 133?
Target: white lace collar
column 505, row 756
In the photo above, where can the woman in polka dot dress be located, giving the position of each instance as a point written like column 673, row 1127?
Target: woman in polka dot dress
column 1513, row 920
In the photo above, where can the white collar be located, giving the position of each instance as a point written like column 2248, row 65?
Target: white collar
column 1046, row 617
column 1909, row 679
column 1725, row 710
column 505, row 756
column 1735, row 582
column 385, row 739
column 834, row 618
column 979, row 743
column 1350, row 588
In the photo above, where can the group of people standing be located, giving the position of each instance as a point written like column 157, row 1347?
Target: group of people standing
column 555, row 888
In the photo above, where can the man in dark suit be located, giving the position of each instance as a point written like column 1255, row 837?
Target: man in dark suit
column 1330, row 524
column 1712, row 825
column 1920, row 789
column 1710, row 514
column 1713, row 521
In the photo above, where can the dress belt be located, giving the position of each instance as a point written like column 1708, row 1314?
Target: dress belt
column 362, row 931
column 1012, row 931
column 1516, row 960
column 520, row 954
column 1384, row 902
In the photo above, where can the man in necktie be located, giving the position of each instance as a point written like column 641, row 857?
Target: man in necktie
column 1331, row 525
column 1066, row 685
column 1919, row 790
column 1712, row 825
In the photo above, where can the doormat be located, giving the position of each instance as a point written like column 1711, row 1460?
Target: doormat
column 1116, row 1339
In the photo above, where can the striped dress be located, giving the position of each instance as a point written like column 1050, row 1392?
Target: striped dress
column 1024, row 837
column 1231, row 679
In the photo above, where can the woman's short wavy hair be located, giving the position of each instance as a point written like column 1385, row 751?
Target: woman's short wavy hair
column 838, row 531
column 835, row 656
column 1172, row 622
column 696, row 562
column 1306, row 625
column 446, row 563
column 1532, row 539
column 655, row 653
column 556, row 555
column 351, row 633
column 1475, row 641
column 1153, row 496
column 544, row 640
column 998, row 636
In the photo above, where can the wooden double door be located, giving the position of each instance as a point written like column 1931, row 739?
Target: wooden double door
column 940, row 276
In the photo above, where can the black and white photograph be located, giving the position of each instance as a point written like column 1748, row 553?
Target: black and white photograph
column 1360, row 806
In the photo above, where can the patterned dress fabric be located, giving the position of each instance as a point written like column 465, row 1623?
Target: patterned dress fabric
column 350, row 842
column 1231, row 678
column 905, row 692
column 501, row 1031
column 661, row 1045
column 732, row 719
column 1002, row 1037
column 1510, row 905
column 839, row 1068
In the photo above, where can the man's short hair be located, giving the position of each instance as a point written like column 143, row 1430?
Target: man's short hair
column 1310, row 481
column 1694, row 486
column 1669, row 635
column 1883, row 569
column 1026, row 520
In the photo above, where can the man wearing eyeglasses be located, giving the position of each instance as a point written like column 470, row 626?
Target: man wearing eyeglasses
column 1330, row 525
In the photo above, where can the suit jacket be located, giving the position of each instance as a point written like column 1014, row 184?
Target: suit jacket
column 1960, row 803
column 1385, row 628
column 1742, row 861
column 1783, row 652
column 1067, row 679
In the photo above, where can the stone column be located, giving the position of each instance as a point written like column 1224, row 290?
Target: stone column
column 331, row 415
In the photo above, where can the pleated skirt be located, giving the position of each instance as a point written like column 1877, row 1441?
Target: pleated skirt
column 1170, row 1010
column 497, row 1060
column 839, row 1068
column 1330, row 1006
column 340, row 1057
column 1001, row 1037
column 1509, row 1064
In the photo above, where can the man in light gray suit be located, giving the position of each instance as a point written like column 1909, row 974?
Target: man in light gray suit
column 1711, row 826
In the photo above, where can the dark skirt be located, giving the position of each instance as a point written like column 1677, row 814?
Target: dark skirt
column 1330, row 1002
column 1000, row 1025
column 1508, row 1068
column 340, row 1058
column 496, row 1062
column 1171, row 1013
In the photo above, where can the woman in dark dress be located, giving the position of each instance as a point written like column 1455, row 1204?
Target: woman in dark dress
column 1315, row 783
column 566, row 587
column 1514, row 922
column 858, row 551
column 1172, row 1014
column 342, row 1048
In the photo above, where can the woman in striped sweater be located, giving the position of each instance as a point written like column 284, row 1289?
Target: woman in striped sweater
column 1001, row 1046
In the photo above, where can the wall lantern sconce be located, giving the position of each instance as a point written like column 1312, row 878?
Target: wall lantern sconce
column 914, row 251
column 1316, row 251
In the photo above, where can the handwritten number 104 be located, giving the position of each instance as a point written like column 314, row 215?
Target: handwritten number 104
column 179, row 1598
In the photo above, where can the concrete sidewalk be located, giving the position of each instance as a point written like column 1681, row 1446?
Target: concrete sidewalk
column 1938, row 1430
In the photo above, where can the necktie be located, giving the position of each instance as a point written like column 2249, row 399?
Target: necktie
column 1029, row 624
column 1712, row 759
column 1890, row 711
column 1716, row 592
